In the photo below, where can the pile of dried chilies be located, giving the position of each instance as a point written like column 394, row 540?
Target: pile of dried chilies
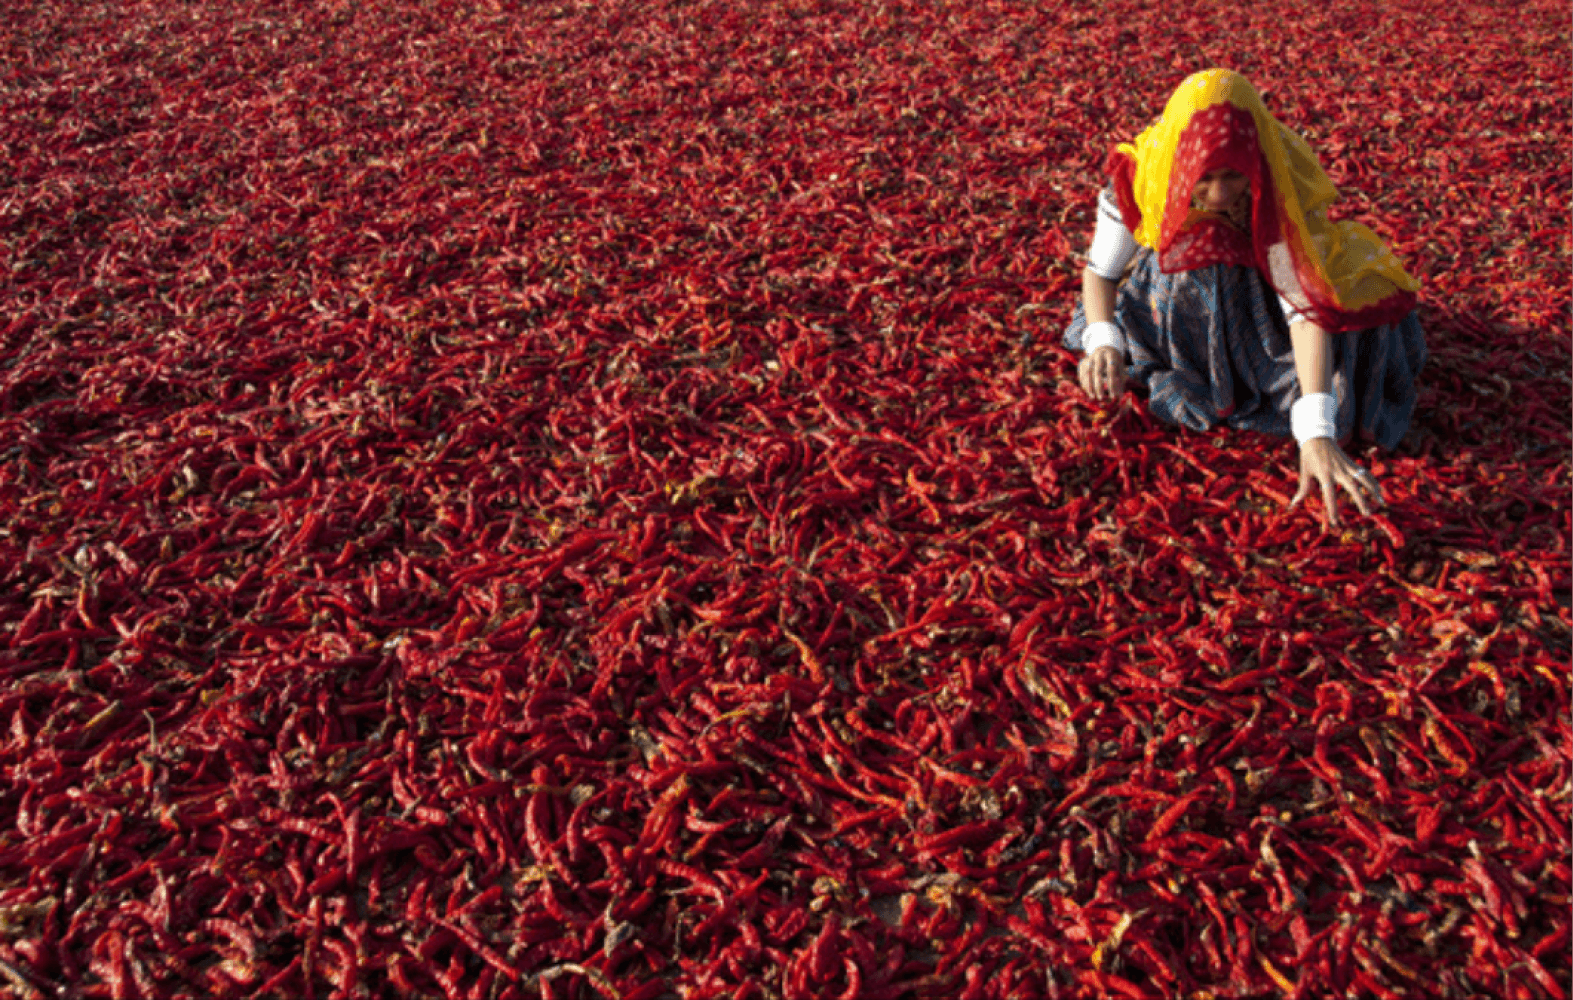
column 584, row 500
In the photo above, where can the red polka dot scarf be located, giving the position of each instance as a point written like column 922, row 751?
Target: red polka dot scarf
column 1338, row 274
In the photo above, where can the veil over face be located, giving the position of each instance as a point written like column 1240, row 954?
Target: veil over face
column 1340, row 274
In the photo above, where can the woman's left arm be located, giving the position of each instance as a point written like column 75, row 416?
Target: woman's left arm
column 1315, row 419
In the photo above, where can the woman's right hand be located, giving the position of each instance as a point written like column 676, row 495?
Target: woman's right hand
column 1102, row 374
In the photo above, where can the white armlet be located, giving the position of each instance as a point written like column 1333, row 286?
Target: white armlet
column 1112, row 243
column 1314, row 416
column 1103, row 335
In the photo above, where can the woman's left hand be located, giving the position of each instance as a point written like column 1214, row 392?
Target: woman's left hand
column 1323, row 462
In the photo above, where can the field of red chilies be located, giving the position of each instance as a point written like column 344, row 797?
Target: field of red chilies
column 573, row 500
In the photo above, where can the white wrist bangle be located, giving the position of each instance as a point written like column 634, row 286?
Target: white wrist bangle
column 1314, row 416
column 1103, row 334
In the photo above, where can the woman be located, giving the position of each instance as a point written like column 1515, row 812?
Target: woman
column 1243, row 304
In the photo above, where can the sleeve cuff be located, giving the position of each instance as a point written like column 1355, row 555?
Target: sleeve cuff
column 1113, row 246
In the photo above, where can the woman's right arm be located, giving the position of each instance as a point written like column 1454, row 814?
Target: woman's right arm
column 1102, row 371
column 1097, row 297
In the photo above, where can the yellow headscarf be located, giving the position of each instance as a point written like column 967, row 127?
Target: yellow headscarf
column 1340, row 274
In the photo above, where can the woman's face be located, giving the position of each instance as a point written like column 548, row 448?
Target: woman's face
column 1218, row 190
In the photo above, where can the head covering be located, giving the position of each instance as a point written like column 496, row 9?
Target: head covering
column 1340, row 275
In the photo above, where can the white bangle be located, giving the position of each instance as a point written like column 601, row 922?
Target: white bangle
column 1103, row 334
column 1314, row 416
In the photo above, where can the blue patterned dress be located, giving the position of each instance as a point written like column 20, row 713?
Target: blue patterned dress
column 1211, row 347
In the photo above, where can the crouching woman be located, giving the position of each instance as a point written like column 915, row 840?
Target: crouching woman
column 1241, row 304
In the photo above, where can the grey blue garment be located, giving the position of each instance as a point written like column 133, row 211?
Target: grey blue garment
column 1210, row 346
